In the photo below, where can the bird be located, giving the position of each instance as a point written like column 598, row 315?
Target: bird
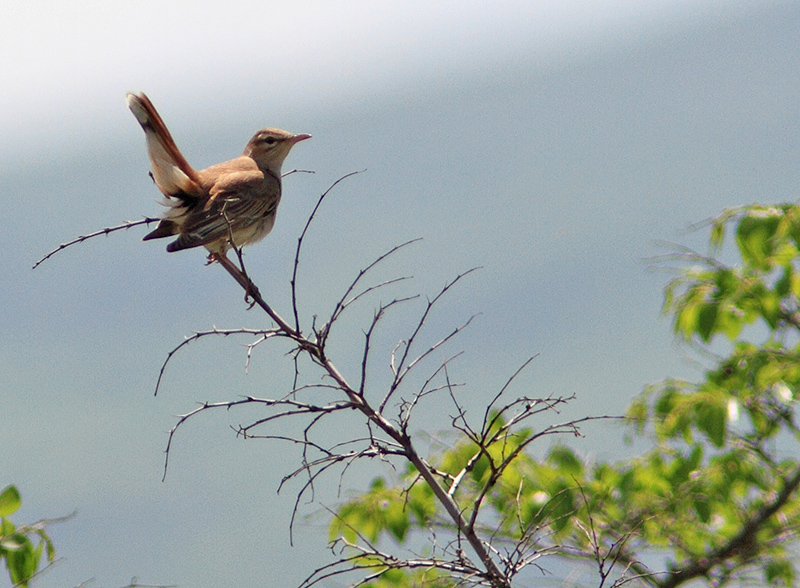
column 227, row 205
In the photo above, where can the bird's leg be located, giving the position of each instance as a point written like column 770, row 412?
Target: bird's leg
column 238, row 251
column 245, row 283
column 250, row 290
column 241, row 274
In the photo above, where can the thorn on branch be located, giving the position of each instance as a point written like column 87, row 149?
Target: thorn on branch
column 124, row 226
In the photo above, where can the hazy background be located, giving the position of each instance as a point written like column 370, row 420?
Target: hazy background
column 551, row 143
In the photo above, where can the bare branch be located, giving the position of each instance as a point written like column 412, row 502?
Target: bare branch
column 376, row 287
column 379, row 314
column 296, row 408
column 401, row 375
column 297, row 171
column 344, row 302
column 401, row 370
column 497, row 396
column 400, row 444
column 253, row 292
column 367, row 557
column 265, row 334
column 124, row 226
column 293, row 281
column 425, row 390
column 321, row 466
column 498, row 469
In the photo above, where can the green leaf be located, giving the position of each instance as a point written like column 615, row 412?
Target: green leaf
column 379, row 510
column 695, row 457
column 784, row 284
column 730, row 323
column 727, row 283
column 702, row 506
column 707, row 320
column 754, row 236
column 10, row 501
column 794, row 224
column 22, row 561
column 637, row 413
column 397, row 520
column 779, row 571
column 422, row 502
column 712, row 420
column 666, row 401
column 565, row 460
column 682, row 467
column 6, row 527
column 717, row 234
column 770, row 307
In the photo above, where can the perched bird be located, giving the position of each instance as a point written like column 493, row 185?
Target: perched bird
column 228, row 204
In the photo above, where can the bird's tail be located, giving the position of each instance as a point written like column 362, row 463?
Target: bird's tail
column 171, row 172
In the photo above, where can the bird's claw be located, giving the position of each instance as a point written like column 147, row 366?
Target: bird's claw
column 251, row 295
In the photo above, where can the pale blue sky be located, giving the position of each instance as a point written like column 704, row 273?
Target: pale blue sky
column 550, row 143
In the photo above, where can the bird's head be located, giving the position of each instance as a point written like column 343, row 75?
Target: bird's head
column 269, row 147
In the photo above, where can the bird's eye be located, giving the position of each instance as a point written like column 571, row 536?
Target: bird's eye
column 270, row 140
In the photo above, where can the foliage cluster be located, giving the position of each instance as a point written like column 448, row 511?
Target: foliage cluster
column 21, row 547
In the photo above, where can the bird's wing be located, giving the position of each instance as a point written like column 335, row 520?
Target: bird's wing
column 237, row 200
column 171, row 172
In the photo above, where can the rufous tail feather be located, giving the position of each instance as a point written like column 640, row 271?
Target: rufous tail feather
column 172, row 173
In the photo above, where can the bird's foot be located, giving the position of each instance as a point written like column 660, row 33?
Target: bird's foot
column 251, row 295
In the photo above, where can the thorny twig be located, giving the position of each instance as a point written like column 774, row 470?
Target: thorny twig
column 101, row 232
column 302, row 236
column 355, row 398
column 261, row 333
column 344, row 301
column 386, row 438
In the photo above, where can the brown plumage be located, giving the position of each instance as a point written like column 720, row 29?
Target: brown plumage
column 231, row 203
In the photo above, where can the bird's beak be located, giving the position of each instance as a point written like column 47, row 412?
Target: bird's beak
column 301, row 137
